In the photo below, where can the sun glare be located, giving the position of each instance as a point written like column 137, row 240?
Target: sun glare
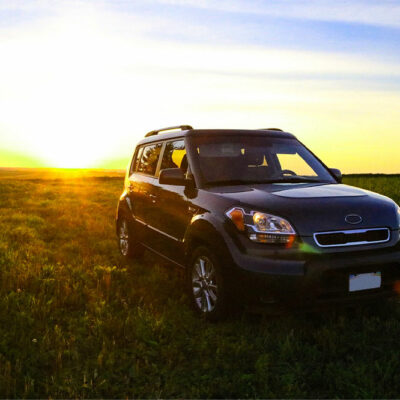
column 73, row 99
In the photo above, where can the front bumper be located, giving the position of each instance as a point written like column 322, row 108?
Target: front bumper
column 314, row 279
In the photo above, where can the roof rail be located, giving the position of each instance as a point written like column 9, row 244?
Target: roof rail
column 270, row 129
column 170, row 128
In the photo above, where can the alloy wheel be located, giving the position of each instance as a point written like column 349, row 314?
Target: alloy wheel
column 124, row 238
column 204, row 285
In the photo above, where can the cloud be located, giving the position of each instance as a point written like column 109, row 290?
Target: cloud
column 382, row 13
column 370, row 12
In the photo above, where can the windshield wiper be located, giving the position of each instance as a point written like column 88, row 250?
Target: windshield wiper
column 231, row 182
column 296, row 179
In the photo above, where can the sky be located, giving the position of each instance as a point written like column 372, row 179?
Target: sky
column 82, row 81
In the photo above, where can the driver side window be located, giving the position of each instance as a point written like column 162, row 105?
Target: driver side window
column 149, row 159
column 175, row 156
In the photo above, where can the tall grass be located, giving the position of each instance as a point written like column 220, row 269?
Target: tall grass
column 76, row 321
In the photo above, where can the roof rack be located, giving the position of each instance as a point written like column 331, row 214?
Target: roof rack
column 170, row 128
column 270, row 129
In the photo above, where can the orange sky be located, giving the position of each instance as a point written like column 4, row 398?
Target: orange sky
column 82, row 82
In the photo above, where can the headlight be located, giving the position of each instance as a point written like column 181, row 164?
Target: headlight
column 271, row 224
column 261, row 227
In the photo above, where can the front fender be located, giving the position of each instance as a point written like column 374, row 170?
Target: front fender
column 209, row 231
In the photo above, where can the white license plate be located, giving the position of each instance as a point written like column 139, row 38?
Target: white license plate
column 371, row 280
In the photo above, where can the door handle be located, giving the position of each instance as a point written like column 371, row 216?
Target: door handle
column 153, row 198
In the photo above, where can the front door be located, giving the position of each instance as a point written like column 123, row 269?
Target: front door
column 171, row 215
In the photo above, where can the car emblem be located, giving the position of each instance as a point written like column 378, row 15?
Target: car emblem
column 353, row 219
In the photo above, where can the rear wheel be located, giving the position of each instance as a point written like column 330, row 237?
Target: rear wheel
column 206, row 285
column 128, row 246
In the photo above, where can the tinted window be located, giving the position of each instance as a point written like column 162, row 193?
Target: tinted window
column 295, row 163
column 136, row 159
column 148, row 161
column 174, row 156
column 257, row 159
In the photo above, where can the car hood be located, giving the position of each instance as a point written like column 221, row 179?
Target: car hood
column 315, row 207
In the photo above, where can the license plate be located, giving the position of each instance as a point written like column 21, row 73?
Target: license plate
column 371, row 280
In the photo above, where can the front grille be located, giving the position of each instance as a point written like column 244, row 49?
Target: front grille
column 352, row 238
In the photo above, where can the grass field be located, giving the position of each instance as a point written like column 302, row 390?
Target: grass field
column 75, row 321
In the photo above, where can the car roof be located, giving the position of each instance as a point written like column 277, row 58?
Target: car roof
column 205, row 132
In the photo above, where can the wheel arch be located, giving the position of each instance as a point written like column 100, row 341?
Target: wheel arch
column 204, row 232
column 123, row 209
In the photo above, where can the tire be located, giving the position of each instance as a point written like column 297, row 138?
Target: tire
column 207, row 286
column 128, row 247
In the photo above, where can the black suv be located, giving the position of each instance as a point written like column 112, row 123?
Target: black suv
column 255, row 217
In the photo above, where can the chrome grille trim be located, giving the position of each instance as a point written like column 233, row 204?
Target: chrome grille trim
column 350, row 232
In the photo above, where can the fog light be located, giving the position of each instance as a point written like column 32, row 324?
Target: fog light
column 272, row 238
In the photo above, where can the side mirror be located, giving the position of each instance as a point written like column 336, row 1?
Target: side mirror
column 337, row 174
column 172, row 176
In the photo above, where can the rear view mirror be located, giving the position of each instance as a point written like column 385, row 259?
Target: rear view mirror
column 172, row 176
column 337, row 174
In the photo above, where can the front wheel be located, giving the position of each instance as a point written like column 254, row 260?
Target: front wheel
column 128, row 247
column 206, row 285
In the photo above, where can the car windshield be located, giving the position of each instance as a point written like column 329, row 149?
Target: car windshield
column 246, row 159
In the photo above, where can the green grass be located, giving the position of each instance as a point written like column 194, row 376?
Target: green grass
column 76, row 321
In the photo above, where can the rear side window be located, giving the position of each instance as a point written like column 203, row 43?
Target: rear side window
column 136, row 160
column 149, row 159
column 175, row 156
